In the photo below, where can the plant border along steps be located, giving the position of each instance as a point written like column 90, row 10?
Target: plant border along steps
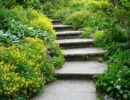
column 74, row 79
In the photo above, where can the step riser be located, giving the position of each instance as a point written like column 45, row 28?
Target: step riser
column 63, row 29
column 83, row 58
column 69, row 76
column 76, row 45
column 59, row 37
column 56, row 22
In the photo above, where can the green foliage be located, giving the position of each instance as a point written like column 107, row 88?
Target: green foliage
column 78, row 19
column 121, row 58
column 8, row 3
column 115, row 81
column 99, row 38
column 28, row 65
column 87, row 32
column 25, row 3
column 62, row 13
column 96, row 6
column 11, row 82
column 33, row 18
column 29, row 54
column 51, row 6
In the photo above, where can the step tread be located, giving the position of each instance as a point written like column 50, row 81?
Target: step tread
column 83, row 51
column 74, row 41
column 68, row 90
column 61, row 26
column 69, row 32
column 82, row 68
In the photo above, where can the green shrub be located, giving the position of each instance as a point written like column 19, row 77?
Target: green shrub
column 38, row 55
column 99, row 20
column 53, row 8
column 25, row 3
column 99, row 38
column 28, row 51
column 28, row 62
column 98, row 5
column 87, row 32
column 121, row 58
column 62, row 13
column 29, row 23
column 11, row 82
column 8, row 3
column 34, row 18
column 58, row 59
column 31, row 65
column 82, row 19
column 115, row 81
column 77, row 19
column 117, row 34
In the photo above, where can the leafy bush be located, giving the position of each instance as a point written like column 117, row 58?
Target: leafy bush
column 11, row 82
column 25, row 3
column 78, row 19
column 115, row 81
column 82, row 19
column 34, row 18
column 8, row 3
column 121, row 58
column 99, row 38
column 51, row 6
column 98, row 5
column 27, row 51
column 87, row 32
column 62, row 13
column 28, row 65
column 29, row 23
column 32, row 68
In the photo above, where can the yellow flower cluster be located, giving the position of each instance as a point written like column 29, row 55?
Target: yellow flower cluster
column 21, row 68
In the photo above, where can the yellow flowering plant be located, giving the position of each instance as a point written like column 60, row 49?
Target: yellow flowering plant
column 31, row 67
column 27, row 63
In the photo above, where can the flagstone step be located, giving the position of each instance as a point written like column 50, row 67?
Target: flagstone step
column 61, row 27
column 64, row 33
column 83, row 54
column 68, row 90
column 68, row 34
column 80, row 70
column 75, row 43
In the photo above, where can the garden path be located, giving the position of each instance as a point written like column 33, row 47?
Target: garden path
column 75, row 78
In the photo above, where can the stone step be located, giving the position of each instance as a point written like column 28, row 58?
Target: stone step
column 62, row 27
column 68, row 90
column 80, row 70
column 75, row 43
column 69, row 34
column 83, row 54
column 56, row 21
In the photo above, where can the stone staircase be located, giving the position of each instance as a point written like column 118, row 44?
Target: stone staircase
column 75, row 78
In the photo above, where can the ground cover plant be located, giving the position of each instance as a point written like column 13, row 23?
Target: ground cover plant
column 29, row 54
column 108, row 22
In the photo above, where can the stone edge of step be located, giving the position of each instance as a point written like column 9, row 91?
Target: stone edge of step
column 61, row 26
column 69, row 32
column 86, row 41
column 85, row 54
